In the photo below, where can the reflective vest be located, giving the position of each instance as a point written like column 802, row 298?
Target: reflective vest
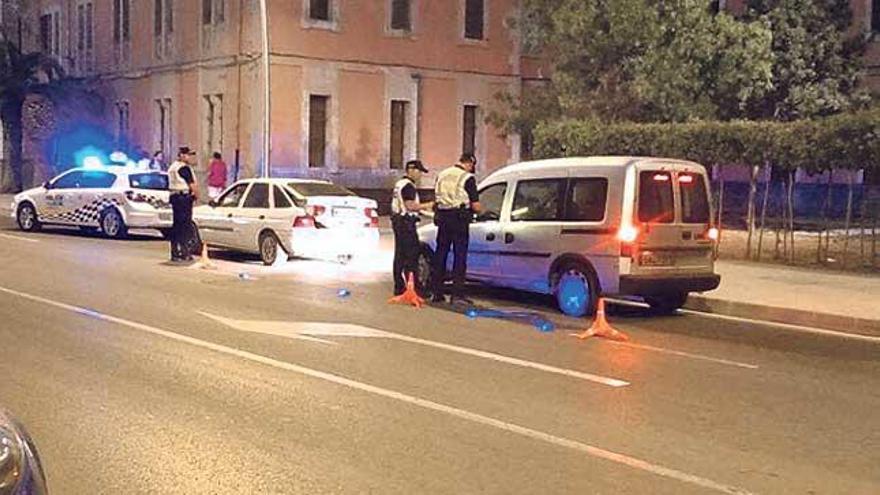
column 175, row 181
column 449, row 191
column 398, row 206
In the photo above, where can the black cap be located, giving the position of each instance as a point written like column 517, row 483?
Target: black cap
column 184, row 150
column 468, row 158
column 416, row 164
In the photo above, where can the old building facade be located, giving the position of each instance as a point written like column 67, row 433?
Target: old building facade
column 357, row 86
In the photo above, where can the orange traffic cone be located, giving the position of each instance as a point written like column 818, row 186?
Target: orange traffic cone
column 601, row 327
column 205, row 261
column 409, row 296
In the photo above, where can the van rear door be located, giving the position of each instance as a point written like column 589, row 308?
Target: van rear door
column 674, row 218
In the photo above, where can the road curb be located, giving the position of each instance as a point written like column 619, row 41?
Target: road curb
column 789, row 316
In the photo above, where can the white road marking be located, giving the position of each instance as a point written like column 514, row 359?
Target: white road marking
column 17, row 238
column 686, row 354
column 590, row 450
column 295, row 329
column 788, row 326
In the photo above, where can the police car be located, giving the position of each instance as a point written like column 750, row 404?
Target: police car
column 112, row 199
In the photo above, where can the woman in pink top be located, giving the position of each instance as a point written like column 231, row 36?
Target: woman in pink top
column 216, row 176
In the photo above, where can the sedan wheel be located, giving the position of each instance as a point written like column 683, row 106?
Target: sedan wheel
column 268, row 248
column 112, row 225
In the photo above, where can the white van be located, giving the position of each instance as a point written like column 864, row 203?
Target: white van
column 577, row 228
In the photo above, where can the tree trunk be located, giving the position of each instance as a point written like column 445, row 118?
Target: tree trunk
column 767, row 185
column 11, row 115
column 791, row 179
column 827, row 217
column 849, row 205
column 750, row 217
column 863, row 212
column 720, row 223
column 781, row 240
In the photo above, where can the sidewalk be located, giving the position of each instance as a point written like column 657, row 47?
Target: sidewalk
column 6, row 204
column 796, row 296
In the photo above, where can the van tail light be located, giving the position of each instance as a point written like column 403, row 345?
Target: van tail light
column 373, row 217
column 710, row 234
column 306, row 221
column 316, row 210
column 628, row 235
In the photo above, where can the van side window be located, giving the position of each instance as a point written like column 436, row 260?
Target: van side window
column 491, row 199
column 694, row 200
column 538, row 200
column 586, row 200
column 656, row 203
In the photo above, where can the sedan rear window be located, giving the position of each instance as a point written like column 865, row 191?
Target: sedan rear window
column 694, row 200
column 656, row 203
column 307, row 189
column 156, row 182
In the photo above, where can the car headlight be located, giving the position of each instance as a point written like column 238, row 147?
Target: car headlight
column 20, row 469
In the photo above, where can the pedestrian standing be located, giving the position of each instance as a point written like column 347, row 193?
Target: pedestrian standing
column 184, row 192
column 405, row 208
column 216, row 176
column 457, row 201
column 157, row 164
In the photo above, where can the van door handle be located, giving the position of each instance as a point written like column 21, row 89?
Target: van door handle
column 262, row 217
column 508, row 238
column 490, row 237
column 229, row 215
column 687, row 235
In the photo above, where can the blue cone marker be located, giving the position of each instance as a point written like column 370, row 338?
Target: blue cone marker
column 244, row 276
column 343, row 293
column 545, row 326
column 472, row 313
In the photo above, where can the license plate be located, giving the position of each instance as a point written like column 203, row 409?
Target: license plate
column 650, row 258
column 342, row 211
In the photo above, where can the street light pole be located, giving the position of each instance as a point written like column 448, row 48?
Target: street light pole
column 267, row 109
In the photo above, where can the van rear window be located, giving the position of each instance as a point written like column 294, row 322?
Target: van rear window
column 694, row 200
column 656, row 203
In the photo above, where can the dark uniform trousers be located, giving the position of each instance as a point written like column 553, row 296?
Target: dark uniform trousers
column 181, row 228
column 453, row 228
column 406, row 251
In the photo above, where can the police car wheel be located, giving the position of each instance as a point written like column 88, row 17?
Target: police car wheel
column 268, row 248
column 112, row 225
column 27, row 218
column 576, row 290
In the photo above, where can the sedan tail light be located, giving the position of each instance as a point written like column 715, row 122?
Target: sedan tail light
column 373, row 217
column 306, row 221
column 316, row 210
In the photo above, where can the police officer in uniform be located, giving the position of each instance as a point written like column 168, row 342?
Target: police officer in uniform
column 405, row 208
column 184, row 192
column 456, row 201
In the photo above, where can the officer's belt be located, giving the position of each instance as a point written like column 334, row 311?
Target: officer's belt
column 452, row 208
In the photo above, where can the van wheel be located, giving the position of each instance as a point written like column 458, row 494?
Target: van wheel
column 667, row 303
column 268, row 248
column 112, row 224
column 426, row 262
column 26, row 216
column 576, row 289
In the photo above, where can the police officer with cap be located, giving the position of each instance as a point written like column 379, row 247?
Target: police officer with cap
column 456, row 201
column 184, row 192
column 405, row 208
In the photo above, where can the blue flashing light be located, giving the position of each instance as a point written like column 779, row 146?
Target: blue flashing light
column 92, row 162
column 118, row 157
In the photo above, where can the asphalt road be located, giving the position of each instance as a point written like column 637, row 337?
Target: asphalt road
column 138, row 377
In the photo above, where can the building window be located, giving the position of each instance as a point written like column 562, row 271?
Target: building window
column 163, row 114
column 85, row 36
column 121, row 20
column 213, row 11
column 469, row 135
column 319, row 10
column 400, row 15
column 213, row 108
column 50, row 34
column 399, row 110
column 318, row 130
column 474, row 18
column 163, row 26
column 875, row 16
column 123, row 120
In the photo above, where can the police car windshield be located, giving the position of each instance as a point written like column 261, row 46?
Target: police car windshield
column 156, row 182
column 307, row 189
